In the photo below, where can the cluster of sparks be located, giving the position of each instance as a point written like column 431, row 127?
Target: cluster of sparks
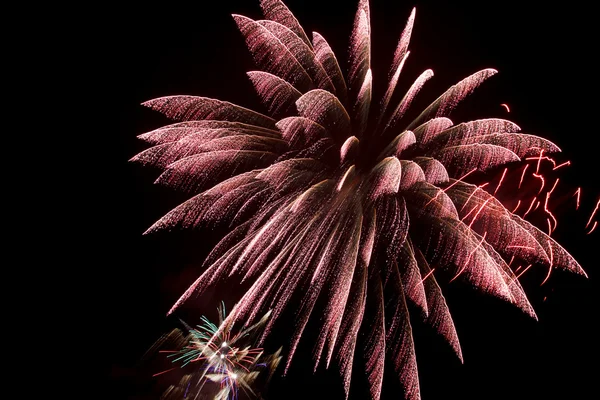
column 212, row 353
column 344, row 210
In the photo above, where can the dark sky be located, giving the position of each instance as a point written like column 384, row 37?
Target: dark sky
column 544, row 55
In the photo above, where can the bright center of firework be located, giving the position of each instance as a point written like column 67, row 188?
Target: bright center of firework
column 224, row 344
column 234, row 376
column 222, row 356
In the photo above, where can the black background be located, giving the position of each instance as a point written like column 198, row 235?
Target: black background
column 545, row 58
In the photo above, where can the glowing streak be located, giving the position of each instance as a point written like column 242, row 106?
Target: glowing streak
column 511, row 260
column 549, row 226
column 540, row 177
column 518, row 268
column 501, row 179
column 530, row 207
column 522, row 272
column 520, row 247
column 471, row 195
column 523, row 175
column 455, row 182
column 593, row 227
column 470, row 255
column 536, row 205
column 478, row 212
column 163, row 372
column 578, row 193
column 593, row 213
column 505, row 106
column 469, row 213
column 517, row 207
column 427, row 275
column 547, row 159
column 546, row 205
column 561, row 165
column 551, row 262
column 537, row 169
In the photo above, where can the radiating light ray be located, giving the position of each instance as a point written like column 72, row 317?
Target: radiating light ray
column 449, row 187
column 566, row 163
column 523, row 175
column 525, row 270
column 593, row 214
column 542, row 180
column 316, row 210
column 578, row 194
column 593, row 227
column 551, row 262
column 501, row 180
column 516, row 207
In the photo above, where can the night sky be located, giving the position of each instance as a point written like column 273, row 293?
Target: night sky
column 545, row 65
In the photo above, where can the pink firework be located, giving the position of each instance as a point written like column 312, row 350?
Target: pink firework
column 341, row 209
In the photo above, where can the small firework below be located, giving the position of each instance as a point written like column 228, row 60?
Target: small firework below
column 214, row 354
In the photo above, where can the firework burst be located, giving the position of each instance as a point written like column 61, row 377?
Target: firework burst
column 213, row 353
column 340, row 201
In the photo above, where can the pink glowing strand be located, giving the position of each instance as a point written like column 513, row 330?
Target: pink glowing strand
column 530, row 207
column 593, row 213
column 506, row 107
column 593, row 227
column 523, row 175
column 511, row 260
column 546, row 205
column 541, row 178
column 517, row 207
column 519, row 247
column 479, row 212
column 471, row 195
column 470, row 255
column 537, row 169
column 551, row 261
column 525, row 270
column 578, row 194
column 456, row 182
column 428, row 275
column 566, row 163
column 501, row 179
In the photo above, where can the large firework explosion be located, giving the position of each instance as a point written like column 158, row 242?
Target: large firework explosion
column 336, row 201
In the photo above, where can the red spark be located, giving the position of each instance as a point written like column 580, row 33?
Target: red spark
column 551, row 262
column 163, row 372
column 593, row 213
column 561, row 165
column 546, row 205
column 478, row 212
column 540, row 177
column 578, row 193
column 523, row 175
column 593, row 227
column 522, row 272
column 530, row 207
column 453, row 184
column 501, row 179
column 505, row 106
column 537, row 169
column 517, row 207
